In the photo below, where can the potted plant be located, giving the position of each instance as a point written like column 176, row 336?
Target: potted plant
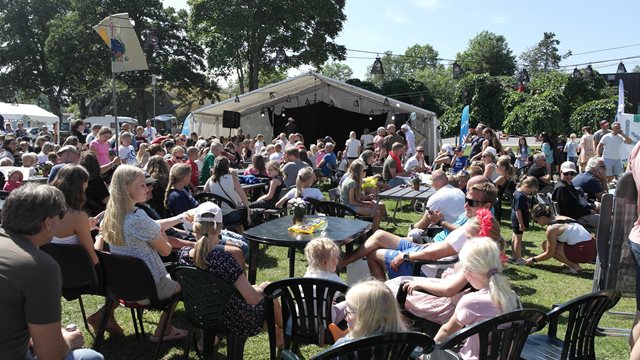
column 297, row 209
column 415, row 181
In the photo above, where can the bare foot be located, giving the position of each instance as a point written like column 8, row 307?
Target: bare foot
column 113, row 328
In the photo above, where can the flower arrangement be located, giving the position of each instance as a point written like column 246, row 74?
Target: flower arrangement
column 297, row 208
column 416, row 181
column 46, row 168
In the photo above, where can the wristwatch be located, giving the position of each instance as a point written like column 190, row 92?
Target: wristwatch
column 405, row 257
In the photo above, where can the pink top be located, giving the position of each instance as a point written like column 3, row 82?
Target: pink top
column 102, row 151
column 10, row 185
column 473, row 308
column 319, row 156
column 634, row 167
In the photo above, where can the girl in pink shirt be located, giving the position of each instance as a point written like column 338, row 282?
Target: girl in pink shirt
column 100, row 146
column 480, row 260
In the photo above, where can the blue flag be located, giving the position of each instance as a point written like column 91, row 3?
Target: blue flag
column 464, row 124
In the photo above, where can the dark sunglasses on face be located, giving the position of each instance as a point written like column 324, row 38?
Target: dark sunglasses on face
column 474, row 203
column 569, row 174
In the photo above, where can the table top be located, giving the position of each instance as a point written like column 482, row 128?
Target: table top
column 407, row 193
column 254, row 186
column 274, row 232
column 37, row 178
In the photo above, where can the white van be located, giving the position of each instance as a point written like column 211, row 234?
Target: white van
column 110, row 121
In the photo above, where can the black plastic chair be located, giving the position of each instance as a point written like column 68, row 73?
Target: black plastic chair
column 307, row 302
column 122, row 287
column 219, row 200
column 501, row 337
column 79, row 276
column 331, row 208
column 582, row 323
column 205, row 297
column 391, row 346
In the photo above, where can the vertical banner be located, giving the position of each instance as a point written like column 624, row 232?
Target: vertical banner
column 464, row 125
column 620, row 110
column 630, row 124
column 118, row 33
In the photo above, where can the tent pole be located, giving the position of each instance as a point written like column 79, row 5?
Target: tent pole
column 115, row 106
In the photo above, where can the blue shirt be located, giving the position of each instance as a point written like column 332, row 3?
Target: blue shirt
column 180, row 201
column 330, row 162
column 461, row 220
column 459, row 164
column 588, row 184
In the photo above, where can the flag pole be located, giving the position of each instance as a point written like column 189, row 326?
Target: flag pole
column 115, row 107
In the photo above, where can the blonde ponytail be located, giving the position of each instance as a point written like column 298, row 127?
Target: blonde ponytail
column 176, row 174
column 303, row 176
column 203, row 230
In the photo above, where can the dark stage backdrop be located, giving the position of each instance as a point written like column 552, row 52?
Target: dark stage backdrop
column 318, row 120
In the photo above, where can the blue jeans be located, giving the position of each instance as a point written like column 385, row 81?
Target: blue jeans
column 635, row 251
column 78, row 354
column 234, row 239
column 396, row 182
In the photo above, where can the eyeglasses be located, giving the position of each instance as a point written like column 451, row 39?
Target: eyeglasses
column 569, row 174
column 474, row 203
column 419, row 150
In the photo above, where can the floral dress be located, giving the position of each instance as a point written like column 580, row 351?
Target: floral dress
column 240, row 318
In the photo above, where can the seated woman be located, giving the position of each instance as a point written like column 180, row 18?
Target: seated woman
column 96, row 191
column 489, row 162
column 131, row 232
column 257, row 167
column 371, row 309
column 177, row 200
column 351, row 195
column 304, row 180
column 505, row 172
column 443, row 159
column 482, row 268
column 243, row 316
column 269, row 200
column 226, row 185
column 567, row 241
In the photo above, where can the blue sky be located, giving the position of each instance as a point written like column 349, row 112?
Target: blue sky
column 581, row 26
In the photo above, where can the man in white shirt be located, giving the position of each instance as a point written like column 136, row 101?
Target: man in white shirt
column 610, row 147
column 277, row 154
column 410, row 138
column 416, row 162
column 149, row 132
column 366, row 139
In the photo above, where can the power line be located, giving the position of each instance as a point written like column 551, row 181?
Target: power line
column 600, row 61
column 607, row 49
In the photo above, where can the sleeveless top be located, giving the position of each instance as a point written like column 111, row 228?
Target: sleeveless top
column 574, row 233
column 225, row 188
column 67, row 240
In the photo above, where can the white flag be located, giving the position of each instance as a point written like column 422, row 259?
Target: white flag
column 118, row 33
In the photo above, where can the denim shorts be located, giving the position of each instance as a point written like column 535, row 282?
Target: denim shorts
column 635, row 251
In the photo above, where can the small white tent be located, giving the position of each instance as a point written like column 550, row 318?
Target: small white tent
column 31, row 115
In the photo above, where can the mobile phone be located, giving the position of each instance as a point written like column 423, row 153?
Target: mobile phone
column 99, row 217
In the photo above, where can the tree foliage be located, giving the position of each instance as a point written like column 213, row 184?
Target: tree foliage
column 415, row 59
column 544, row 55
column 592, row 112
column 243, row 34
column 336, row 70
column 535, row 114
column 488, row 53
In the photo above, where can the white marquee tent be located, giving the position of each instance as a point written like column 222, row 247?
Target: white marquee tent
column 295, row 92
column 31, row 115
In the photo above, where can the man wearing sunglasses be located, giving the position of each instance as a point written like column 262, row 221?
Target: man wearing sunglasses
column 390, row 253
column 570, row 201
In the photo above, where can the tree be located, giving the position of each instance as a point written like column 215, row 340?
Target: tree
column 337, row 71
column 544, row 56
column 636, row 69
column 245, row 34
column 487, row 53
column 416, row 58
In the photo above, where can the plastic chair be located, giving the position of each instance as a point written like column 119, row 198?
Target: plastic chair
column 389, row 346
column 331, row 208
column 219, row 200
column 582, row 324
column 334, row 194
column 501, row 337
column 205, row 297
column 306, row 305
column 120, row 286
column 79, row 276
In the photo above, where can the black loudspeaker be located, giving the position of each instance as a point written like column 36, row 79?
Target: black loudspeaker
column 230, row 119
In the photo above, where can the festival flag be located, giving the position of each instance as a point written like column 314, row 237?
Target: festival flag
column 464, row 124
column 620, row 100
column 118, row 33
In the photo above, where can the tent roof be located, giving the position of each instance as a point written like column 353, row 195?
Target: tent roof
column 307, row 83
column 22, row 112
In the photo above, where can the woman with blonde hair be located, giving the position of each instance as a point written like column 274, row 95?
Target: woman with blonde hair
column 227, row 185
column 352, row 196
column 131, row 232
column 243, row 316
column 371, row 308
column 142, row 157
column 176, row 199
column 480, row 260
column 488, row 157
column 303, row 189
column 269, row 200
column 505, row 172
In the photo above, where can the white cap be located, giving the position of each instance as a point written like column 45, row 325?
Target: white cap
column 568, row 166
column 204, row 208
column 491, row 150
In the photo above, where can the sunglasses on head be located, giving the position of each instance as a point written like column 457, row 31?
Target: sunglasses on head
column 474, row 203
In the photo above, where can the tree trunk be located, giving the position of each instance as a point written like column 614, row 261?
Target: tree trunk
column 54, row 104
column 254, row 67
column 82, row 106
column 140, row 108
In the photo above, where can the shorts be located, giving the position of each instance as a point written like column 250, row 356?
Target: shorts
column 515, row 225
column 581, row 253
column 635, row 252
column 406, row 268
column 614, row 166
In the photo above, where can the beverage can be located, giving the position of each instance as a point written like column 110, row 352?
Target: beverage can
column 71, row 327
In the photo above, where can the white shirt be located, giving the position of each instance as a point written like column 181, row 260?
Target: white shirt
column 309, row 193
column 411, row 142
column 448, row 200
column 258, row 147
column 353, row 147
column 276, row 156
column 457, row 238
column 150, row 133
column 412, row 163
column 612, row 146
column 366, row 139
column 127, row 155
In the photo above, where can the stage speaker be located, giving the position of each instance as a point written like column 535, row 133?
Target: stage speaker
column 230, row 119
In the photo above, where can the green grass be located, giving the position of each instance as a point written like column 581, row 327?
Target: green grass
column 538, row 287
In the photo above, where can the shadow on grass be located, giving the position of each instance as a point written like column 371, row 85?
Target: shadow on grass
column 558, row 269
column 266, row 260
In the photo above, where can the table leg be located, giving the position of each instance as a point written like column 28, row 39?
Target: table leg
column 253, row 261
column 395, row 210
column 292, row 261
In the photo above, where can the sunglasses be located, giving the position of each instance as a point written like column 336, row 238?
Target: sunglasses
column 569, row 174
column 474, row 203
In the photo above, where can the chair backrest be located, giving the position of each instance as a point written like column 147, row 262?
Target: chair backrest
column 331, row 208
column 78, row 272
column 603, row 237
column 127, row 279
column 334, row 194
column 553, row 205
column 307, row 302
column 380, row 347
column 584, row 314
column 217, row 199
column 501, row 337
column 205, row 296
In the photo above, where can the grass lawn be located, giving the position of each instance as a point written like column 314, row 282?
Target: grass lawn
column 538, row 287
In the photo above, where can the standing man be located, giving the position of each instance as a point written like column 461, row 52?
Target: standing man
column 610, row 148
column 476, row 138
column 604, row 129
column 410, row 138
column 150, row 132
column 391, row 138
column 291, row 127
column 31, row 282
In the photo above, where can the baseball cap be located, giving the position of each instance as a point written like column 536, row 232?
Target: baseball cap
column 568, row 166
column 67, row 148
column 328, row 139
column 491, row 150
column 604, row 123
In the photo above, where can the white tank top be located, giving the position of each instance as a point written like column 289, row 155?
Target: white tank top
column 574, row 233
column 67, row 240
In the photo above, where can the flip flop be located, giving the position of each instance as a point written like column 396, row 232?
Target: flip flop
column 175, row 334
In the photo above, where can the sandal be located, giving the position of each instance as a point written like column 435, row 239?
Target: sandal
column 175, row 334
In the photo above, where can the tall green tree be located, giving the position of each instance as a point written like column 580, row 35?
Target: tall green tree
column 488, row 53
column 246, row 34
column 415, row 59
column 336, row 70
column 544, row 55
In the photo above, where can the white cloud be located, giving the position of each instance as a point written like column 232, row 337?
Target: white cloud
column 395, row 16
column 498, row 20
column 426, row 4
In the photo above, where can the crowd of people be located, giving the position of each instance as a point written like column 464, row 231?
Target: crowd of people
column 134, row 194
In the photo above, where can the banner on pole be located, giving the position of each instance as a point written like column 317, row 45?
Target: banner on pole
column 464, row 124
column 630, row 124
column 118, row 33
